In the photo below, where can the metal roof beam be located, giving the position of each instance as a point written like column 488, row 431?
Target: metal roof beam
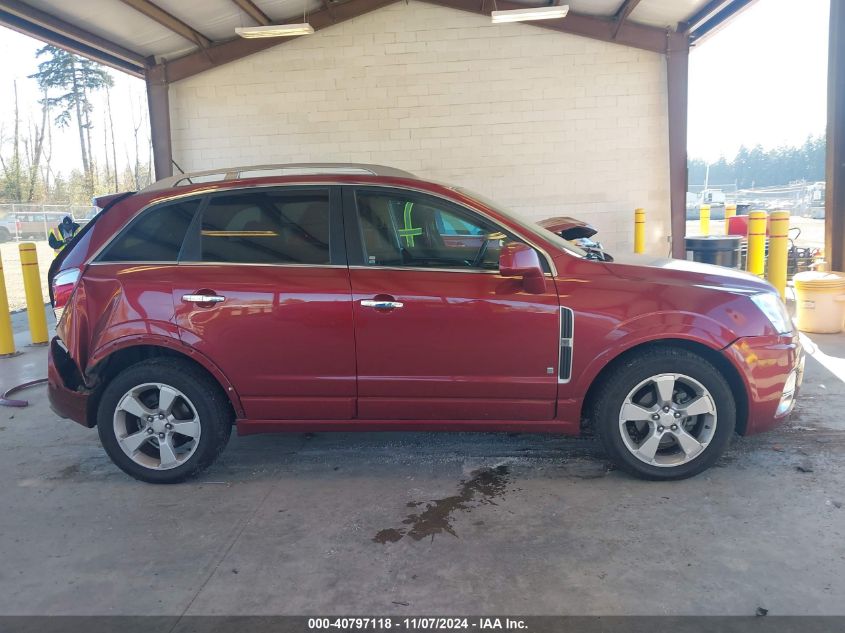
column 622, row 14
column 636, row 35
column 632, row 34
column 231, row 50
column 698, row 29
column 28, row 20
column 704, row 13
column 249, row 7
column 169, row 21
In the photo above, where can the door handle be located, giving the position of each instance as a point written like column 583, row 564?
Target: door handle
column 203, row 298
column 381, row 304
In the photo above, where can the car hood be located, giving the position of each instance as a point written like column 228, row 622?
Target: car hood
column 685, row 272
column 568, row 228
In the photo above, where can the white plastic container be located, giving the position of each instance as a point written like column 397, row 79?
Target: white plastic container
column 820, row 301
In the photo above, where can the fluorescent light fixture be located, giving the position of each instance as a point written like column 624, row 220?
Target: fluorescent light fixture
column 275, row 30
column 525, row 15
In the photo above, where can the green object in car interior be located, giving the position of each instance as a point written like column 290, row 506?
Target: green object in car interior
column 409, row 232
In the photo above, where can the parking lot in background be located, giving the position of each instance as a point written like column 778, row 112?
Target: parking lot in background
column 811, row 233
column 410, row 523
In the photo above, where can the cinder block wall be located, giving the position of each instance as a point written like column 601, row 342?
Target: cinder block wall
column 546, row 123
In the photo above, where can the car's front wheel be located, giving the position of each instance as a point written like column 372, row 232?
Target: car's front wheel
column 664, row 413
column 163, row 420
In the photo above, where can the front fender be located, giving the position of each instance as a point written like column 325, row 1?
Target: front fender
column 652, row 328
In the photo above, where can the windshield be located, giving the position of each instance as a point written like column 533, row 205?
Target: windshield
column 529, row 227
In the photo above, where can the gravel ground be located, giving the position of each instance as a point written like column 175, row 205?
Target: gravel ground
column 12, row 272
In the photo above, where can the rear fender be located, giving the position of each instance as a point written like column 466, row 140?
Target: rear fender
column 103, row 352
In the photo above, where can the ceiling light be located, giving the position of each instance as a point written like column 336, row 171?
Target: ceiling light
column 275, row 30
column 525, row 15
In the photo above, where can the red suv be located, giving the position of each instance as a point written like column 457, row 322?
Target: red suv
column 356, row 297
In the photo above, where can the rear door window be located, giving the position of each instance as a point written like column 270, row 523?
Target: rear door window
column 156, row 236
column 267, row 227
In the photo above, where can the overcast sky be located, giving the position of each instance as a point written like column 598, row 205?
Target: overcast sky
column 762, row 79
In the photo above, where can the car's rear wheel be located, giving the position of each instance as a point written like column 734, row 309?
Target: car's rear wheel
column 664, row 413
column 163, row 420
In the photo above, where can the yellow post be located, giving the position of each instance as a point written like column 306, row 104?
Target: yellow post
column 704, row 219
column 639, row 230
column 7, row 339
column 730, row 211
column 778, row 251
column 756, row 261
column 34, row 298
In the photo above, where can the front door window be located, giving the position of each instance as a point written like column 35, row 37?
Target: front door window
column 400, row 229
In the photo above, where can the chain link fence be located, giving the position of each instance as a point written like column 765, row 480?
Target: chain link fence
column 34, row 221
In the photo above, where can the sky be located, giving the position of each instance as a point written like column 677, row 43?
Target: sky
column 128, row 98
column 760, row 80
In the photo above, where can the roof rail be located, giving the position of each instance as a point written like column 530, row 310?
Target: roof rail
column 285, row 169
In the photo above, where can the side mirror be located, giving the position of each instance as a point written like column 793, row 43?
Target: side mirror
column 519, row 260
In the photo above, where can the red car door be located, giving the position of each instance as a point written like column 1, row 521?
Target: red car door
column 439, row 333
column 263, row 291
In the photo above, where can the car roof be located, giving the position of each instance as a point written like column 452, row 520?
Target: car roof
column 225, row 174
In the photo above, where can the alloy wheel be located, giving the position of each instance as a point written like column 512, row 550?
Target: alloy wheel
column 157, row 426
column 668, row 420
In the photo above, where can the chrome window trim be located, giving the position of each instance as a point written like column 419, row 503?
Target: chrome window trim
column 423, row 269
column 198, row 193
column 153, row 263
column 487, row 216
column 326, row 184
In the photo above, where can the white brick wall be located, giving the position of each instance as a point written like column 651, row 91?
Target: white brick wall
column 544, row 122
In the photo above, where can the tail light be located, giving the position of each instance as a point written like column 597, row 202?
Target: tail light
column 63, row 286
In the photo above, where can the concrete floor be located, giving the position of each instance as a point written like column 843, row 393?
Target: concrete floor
column 486, row 524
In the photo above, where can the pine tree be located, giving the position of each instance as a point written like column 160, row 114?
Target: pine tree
column 75, row 78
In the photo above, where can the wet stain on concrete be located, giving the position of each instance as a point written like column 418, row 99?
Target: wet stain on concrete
column 482, row 488
column 68, row 472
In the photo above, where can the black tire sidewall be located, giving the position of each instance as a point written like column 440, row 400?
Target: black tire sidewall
column 214, row 415
column 641, row 367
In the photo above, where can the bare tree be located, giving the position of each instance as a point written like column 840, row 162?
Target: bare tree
column 12, row 166
column 113, row 144
column 35, row 150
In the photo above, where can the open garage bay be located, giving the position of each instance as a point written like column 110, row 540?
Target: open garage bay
column 418, row 523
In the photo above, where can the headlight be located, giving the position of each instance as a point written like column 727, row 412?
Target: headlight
column 771, row 305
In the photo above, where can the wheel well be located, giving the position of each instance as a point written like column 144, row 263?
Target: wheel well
column 727, row 370
column 115, row 363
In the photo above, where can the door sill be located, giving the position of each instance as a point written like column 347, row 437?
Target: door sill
column 254, row 427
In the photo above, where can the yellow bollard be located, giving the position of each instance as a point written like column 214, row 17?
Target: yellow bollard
column 730, row 211
column 756, row 261
column 704, row 219
column 34, row 298
column 778, row 251
column 639, row 230
column 7, row 339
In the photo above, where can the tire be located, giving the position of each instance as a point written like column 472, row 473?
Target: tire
column 5, row 236
column 630, row 416
column 191, row 402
